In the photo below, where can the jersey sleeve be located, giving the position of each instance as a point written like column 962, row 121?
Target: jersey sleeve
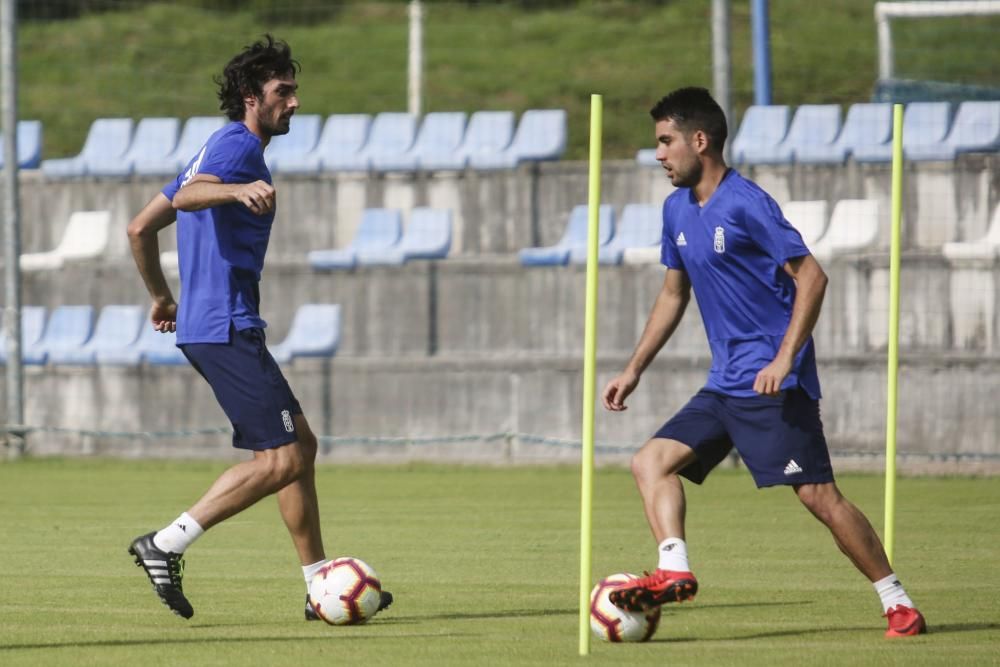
column 171, row 188
column 772, row 233
column 225, row 158
column 669, row 256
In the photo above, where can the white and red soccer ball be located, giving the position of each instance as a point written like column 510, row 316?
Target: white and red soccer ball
column 346, row 591
column 612, row 624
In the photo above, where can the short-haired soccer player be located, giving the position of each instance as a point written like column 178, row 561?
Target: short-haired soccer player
column 224, row 205
column 759, row 291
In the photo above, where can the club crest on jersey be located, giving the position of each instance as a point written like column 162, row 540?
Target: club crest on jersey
column 720, row 240
column 286, row 417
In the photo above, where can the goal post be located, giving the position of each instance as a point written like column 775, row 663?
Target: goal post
column 886, row 11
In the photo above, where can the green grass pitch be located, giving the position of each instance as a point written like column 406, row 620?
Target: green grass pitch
column 484, row 564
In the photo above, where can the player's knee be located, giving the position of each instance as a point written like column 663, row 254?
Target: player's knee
column 309, row 445
column 646, row 465
column 287, row 466
column 820, row 499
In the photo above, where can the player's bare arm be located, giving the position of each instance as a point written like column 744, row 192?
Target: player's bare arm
column 810, row 284
column 143, row 239
column 663, row 319
column 206, row 191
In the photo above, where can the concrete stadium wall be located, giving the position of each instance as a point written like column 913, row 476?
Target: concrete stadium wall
column 477, row 345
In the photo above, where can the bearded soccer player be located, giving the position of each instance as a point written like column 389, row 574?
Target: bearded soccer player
column 759, row 291
column 224, row 204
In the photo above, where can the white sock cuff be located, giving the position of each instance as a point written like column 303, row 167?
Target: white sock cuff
column 309, row 571
column 194, row 528
column 885, row 583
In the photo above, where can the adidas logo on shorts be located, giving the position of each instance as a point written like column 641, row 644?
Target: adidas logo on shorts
column 792, row 468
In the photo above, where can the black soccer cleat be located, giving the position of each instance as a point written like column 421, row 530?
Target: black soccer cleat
column 384, row 601
column 165, row 570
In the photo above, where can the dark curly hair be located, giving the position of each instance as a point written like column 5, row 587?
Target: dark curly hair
column 248, row 71
column 694, row 109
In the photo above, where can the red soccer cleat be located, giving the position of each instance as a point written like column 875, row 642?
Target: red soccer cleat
column 654, row 589
column 905, row 622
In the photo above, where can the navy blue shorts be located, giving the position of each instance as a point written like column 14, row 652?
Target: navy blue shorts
column 250, row 388
column 780, row 438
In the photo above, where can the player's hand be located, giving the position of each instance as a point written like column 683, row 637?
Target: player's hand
column 768, row 381
column 258, row 196
column 615, row 392
column 163, row 315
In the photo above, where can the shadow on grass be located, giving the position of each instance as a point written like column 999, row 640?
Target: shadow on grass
column 465, row 616
column 217, row 640
column 934, row 630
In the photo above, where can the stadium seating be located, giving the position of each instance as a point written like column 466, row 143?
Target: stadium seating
column 391, row 134
column 85, row 237
column 314, row 332
column 648, row 255
column 540, row 135
column 976, row 128
column 808, row 217
column 853, row 227
column 573, row 238
column 379, row 229
column 641, row 226
column 488, row 133
column 196, row 132
column 763, row 127
column 303, row 135
column 866, row 125
column 440, row 135
column 108, row 138
column 646, row 157
column 117, row 328
column 339, row 144
column 985, row 248
column 427, row 236
column 154, row 139
column 924, row 124
column 812, row 125
column 151, row 346
column 68, row 328
column 29, row 144
column 32, row 327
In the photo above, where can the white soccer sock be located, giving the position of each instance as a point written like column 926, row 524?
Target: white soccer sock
column 309, row 571
column 674, row 555
column 892, row 593
column 179, row 535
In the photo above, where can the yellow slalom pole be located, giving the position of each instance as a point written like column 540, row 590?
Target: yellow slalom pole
column 589, row 372
column 893, row 372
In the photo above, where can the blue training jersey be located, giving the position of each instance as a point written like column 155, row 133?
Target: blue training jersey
column 733, row 250
column 220, row 250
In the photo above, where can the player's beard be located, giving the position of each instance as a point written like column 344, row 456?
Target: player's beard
column 688, row 176
column 276, row 127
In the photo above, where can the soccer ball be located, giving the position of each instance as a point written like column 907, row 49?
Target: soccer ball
column 346, row 591
column 612, row 624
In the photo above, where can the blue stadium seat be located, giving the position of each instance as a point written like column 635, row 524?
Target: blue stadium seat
column 976, row 128
column 540, row 135
column 32, row 328
column 646, row 157
column 488, row 134
column 573, row 238
column 440, row 134
column 391, row 133
column 117, row 328
column 303, row 135
column 641, row 226
column 196, row 132
column 379, row 229
column 763, row 127
column 866, row 125
column 153, row 347
column 29, row 144
column 812, row 125
column 154, row 139
column 315, row 332
column 107, row 138
column 427, row 236
column 339, row 145
column 925, row 124
column 69, row 327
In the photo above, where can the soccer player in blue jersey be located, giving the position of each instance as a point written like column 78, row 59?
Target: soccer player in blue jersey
column 224, row 205
column 759, row 292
